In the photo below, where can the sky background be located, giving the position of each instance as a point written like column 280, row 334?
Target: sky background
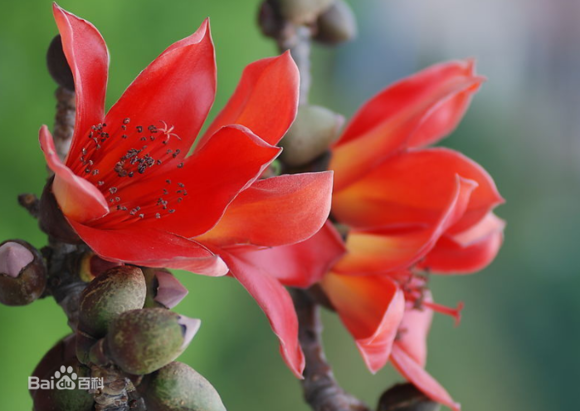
column 516, row 348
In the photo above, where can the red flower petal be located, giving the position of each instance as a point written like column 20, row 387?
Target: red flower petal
column 413, row 331
column 302, row 264
column 151, row 248
column 399, row 247
column 176, row 90
column 276, row 303
column 415, row 374
column 88, row 58
column 276, row 211
column 78, row 199
column 412, row 188
column 209, row 180
column 265, row 100
column 371, row 308
column 386, row 123
column 466, row 252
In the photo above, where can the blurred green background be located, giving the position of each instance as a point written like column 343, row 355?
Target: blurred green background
column 517, row 348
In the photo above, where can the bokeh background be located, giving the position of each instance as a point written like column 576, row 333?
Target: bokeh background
column 517, row 347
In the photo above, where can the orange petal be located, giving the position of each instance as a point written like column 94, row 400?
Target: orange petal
column 265, row 100
column 371, row 308
column 275, row 211
column 399, row 247
column 387, row 123
column 415, row 374
column 412, row 188
column 78, row 199
column 467, row 252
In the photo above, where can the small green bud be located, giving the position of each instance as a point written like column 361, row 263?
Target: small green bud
column 178, row 387
column 300, row 11
column 117, row 290
column 83, row 345
column 336, row 25
column 22, row 273
column 65, row 399
column 143, row 341
column 406, row 397
column 163, row 289
column 314, row 129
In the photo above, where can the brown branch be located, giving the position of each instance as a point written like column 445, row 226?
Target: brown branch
column 321, row 390
column 64, row 121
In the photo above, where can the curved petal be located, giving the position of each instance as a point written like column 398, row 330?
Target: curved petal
column 371, row 308
column 399, row 247
column 415, row 374
column 78, row 199
column 174, row 93
column 386, row 123
column 88, row 58
column 445, row 118
column 276, row 303
column 414, row 330
column 276, row 211
column 303, row 264
column 466, row 252
column 190, row 200
column 265, row 100
column 412, row 188
column 151, row 248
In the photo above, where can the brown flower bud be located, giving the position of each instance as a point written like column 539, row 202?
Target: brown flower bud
column 61, row 352
column 58, row 399
column 405, row 397
column 58, row 66
column 300, row 11
column 314, row 129
column 117, row 290
column 52, row 220
column 178, row 387
column 22, row 273
column 163, row 289
column 143, row 341
column 336, row 25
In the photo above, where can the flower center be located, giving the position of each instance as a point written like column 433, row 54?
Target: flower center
column 133, row 182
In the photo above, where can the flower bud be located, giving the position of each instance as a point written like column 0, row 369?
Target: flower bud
column 22, row 273
column 52, row 220
column 56, row 399
column 61, row 352
column 405, row 397
column 117, row 290
column 269, row 21
column 143, row 341
column 314, row 129
column 58, row 66
column 301, row 11
column 163, row 289
column 336, row 25
column 178, row 387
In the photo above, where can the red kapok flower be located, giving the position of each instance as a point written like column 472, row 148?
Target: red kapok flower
column 407, row 207
column 131, row 192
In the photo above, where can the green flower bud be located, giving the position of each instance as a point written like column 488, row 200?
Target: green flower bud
column 117, row 290
column 22, row 273
column 300, row 11
column 65, row 399
column 314, row 129
column 178, row 387
column 163, row 289
column 405, row 397
column 143, row 341
column 336, row 25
